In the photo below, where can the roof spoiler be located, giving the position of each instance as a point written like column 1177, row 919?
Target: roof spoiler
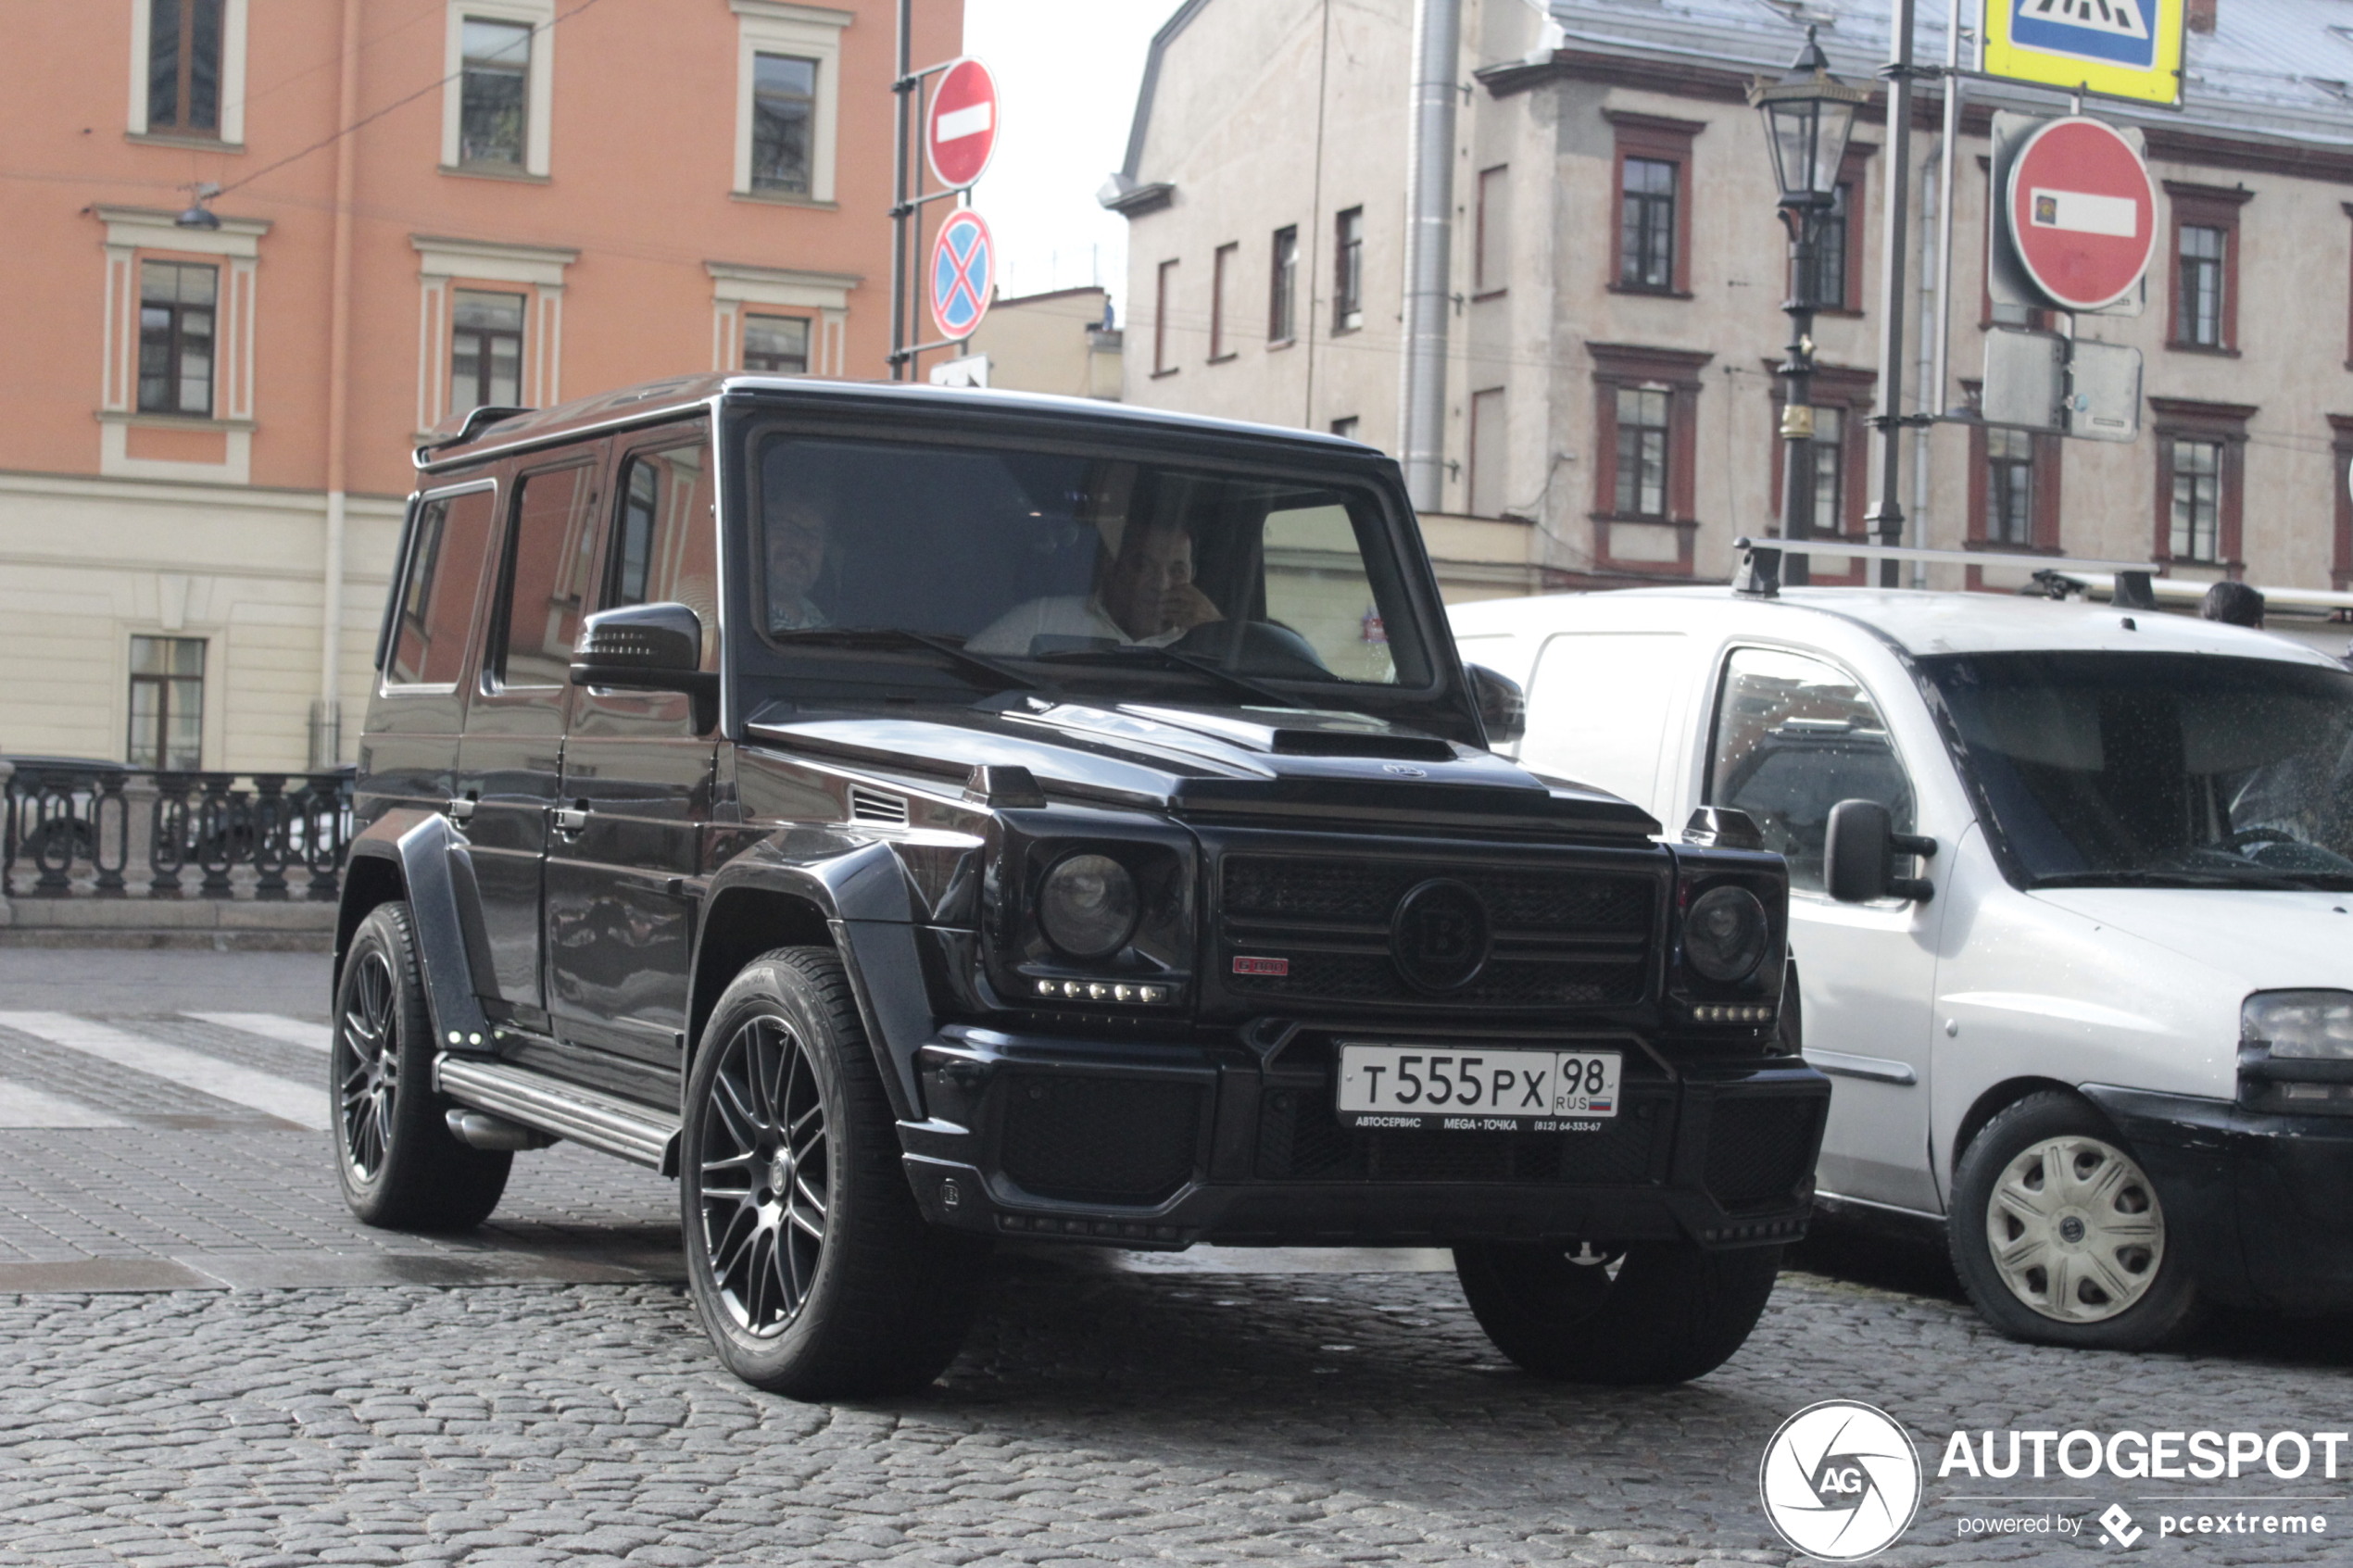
column 478, row 418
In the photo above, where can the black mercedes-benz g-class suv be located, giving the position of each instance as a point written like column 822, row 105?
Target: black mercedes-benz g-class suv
column 913, row 818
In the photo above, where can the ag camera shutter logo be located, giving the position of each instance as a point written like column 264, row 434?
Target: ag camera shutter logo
column 1840, row 1481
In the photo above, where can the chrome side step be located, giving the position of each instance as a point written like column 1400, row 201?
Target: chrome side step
column 637, row 1133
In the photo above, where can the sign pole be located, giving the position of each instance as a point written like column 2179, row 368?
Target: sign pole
column 1887, row 425
column 900, row 213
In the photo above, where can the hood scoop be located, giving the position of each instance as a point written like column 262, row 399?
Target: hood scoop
column 1302, row 734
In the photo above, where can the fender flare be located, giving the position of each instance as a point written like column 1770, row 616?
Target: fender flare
column 436, row 870
column 856, row 887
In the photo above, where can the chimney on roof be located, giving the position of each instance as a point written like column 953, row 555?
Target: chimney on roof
column 2199, row 15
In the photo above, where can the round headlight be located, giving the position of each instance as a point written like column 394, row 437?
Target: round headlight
column 1724, row 934
column 1086, row 906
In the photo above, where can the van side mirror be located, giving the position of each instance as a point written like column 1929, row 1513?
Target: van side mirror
column 1859, row 855
column 655, row 647
column 1503, row 705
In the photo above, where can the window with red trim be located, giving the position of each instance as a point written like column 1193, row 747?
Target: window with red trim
column 1651, row 179
column 1645, row 480
column 2203, row 312
column 2201, row 462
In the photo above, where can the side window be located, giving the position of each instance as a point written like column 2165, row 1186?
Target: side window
column 445, row 562
column 1793, row 737
column 548, row 567
column 1318, row 589
column 666, row 546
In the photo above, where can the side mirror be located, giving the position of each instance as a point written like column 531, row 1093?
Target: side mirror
column 653, row 647
column 1859, row 855
column 1503, row 705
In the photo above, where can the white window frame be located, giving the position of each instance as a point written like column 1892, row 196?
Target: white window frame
column 443, row 265
column 822, row 296
column 540, row 17
column 233, row 74
column 809, row 33
column 139, row 233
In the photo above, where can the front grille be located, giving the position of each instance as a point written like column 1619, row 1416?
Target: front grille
column 1299, row 1139
column 1100, row 1140
column 1758, row 1150
column 1564, row 937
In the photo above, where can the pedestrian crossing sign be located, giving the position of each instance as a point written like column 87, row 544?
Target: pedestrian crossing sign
column 2121, row 48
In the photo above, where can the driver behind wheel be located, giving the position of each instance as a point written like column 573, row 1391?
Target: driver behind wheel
column 1144, row 596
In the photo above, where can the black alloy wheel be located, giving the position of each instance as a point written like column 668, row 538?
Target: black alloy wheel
column 810, row 1266
column 395, row 1158
column 767, row 1183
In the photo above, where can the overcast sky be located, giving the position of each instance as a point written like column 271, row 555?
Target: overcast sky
column 1066, row 72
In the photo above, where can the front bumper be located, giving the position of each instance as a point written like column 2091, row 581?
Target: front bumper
column 1162, row 1145
column 2261, row 1204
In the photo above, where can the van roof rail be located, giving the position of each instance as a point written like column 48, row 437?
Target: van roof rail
column 1759, row 572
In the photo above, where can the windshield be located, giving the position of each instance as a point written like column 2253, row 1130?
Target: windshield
column 1035, row 562
column 2175, row 769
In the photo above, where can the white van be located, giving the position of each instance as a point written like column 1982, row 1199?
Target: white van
column 2069, row 914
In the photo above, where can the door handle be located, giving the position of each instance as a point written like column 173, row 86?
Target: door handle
column 571, row 819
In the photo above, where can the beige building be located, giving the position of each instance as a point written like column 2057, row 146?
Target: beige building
column 1618, row 272
column 1061, row 341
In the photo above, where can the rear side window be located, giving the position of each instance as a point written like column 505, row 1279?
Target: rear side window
column 665, row 547
column 1793, row 737
column 446, row 563
column 548, row 570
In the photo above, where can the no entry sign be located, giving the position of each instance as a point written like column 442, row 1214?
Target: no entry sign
column 964, row 262
column 2082, row 212
column 960, row 131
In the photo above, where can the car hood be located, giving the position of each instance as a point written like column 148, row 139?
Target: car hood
column 2269, row 939
column 1315, row 768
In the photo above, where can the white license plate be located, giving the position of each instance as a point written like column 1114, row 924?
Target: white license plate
column 1457, row 1088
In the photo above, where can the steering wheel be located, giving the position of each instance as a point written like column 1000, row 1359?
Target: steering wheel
column 2246, row 837
column 1254, row 647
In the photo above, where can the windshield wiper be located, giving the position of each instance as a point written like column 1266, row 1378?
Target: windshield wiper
column 1169, row 658
column 1001, row 675
column 2133, row 877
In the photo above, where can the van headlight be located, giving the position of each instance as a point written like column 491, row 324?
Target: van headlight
column 1087, row 905
column 2295, row 1052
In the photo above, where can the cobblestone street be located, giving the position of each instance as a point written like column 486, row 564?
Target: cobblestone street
column 313, row 1392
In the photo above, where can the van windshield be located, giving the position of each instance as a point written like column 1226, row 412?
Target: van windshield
column 2160, row 770
column 1034, row 562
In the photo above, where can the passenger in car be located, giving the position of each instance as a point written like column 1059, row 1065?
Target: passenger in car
column 1144, row 596
column 796, row 537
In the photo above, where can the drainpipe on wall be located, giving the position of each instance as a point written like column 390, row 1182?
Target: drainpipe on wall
column 326, row 713
column 1429, row 201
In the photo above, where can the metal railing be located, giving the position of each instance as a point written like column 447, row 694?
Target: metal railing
column 101, row 830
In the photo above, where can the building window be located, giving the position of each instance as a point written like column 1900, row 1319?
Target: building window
column 1643, row 433
column 1163, row 294
column 486, row 352
column 2195, row 490
column 1490, row 449
column 167, row 703
column 1490, row 234
column 1646, row 224
column 1221, row 267
column 183, row 67
column 1652, row 172
column 2341, row 454
column 1282, row 293
column 176, row 318
column 2010, row 487
column 2206, row 266
column 2197, row 288
column 1346, row 428
column 1828, row 455
column 776, row 345
column 494, row 114
column 1348, row 271
column 784, row 122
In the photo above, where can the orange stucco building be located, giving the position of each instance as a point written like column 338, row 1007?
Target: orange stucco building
column 423, row 204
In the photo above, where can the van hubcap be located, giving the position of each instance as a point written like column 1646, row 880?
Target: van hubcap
column 2074, row 1229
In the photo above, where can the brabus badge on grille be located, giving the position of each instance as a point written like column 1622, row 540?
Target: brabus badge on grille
column 1261, row 966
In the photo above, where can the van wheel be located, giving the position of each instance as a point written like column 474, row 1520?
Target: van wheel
column 398, row 1165
column 811, row 1267
column 2058, row 1236
column 1654, row 1312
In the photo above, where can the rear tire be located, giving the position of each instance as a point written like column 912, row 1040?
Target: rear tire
column 1659, row 1312
column 812, row 1271
column 400, row 1167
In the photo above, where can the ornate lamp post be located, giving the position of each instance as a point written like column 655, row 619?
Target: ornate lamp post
column 1808, row 114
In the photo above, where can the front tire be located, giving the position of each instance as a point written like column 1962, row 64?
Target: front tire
column 1654, row 1313
column 397, row 1163
column 811, row 1269
column 2057, row 1233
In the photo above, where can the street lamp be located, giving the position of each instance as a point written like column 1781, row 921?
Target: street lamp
column 197, row 215
column 1808, row 114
